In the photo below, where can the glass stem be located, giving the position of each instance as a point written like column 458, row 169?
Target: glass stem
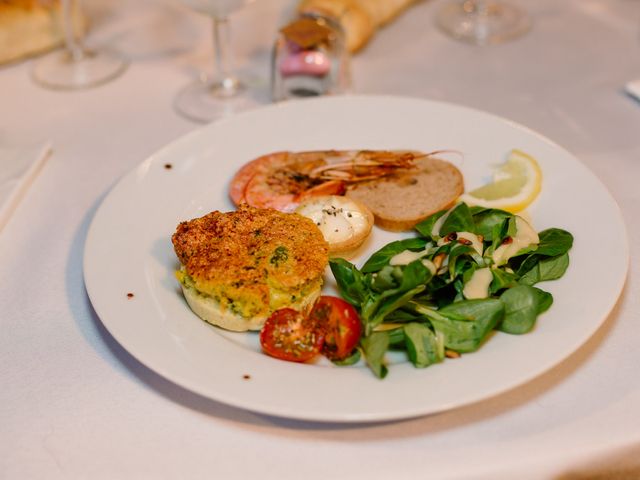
column 72, row 43
column 479, row 8
column 227, row 83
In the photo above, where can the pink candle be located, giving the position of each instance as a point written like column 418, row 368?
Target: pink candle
column 305, row 62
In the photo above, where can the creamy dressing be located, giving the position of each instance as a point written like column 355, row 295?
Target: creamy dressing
column 407, row 256
column 430, row 266
column 338, row 218
column 435, row 230
column 524, row 237
column 476, row 243
column 478, row 284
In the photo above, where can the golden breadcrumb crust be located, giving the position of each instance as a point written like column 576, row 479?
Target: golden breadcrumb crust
column 252, row 260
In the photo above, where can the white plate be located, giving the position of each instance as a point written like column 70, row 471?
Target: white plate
column 128, row 250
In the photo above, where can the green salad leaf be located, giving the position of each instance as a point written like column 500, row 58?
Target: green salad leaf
column 443, row 289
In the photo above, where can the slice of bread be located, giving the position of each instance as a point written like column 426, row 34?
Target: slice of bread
column 401, row 200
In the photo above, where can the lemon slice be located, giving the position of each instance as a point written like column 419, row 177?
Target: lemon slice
column 516, row 183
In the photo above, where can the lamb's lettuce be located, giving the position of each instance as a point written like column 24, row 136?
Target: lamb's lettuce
column 424, row 312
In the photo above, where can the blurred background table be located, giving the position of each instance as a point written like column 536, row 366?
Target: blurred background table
column 74, row 404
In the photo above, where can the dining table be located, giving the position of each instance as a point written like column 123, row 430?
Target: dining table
column 76, row 404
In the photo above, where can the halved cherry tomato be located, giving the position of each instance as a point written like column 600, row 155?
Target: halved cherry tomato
column 290, row 335
column 341, row 324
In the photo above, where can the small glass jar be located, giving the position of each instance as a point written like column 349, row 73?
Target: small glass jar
column 310, row 58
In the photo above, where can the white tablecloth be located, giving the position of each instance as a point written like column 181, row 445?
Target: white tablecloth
column 75, row 404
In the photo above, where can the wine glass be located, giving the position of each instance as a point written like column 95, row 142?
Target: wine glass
column 482, row 21
column 211, row 98
column 76, row 67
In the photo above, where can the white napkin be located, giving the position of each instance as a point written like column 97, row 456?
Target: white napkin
column 633, row 89
column 18, row 167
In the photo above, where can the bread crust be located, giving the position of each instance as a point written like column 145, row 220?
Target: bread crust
column 356, row 22
column 359, row 18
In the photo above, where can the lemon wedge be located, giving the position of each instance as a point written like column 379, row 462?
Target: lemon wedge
column 516, row 183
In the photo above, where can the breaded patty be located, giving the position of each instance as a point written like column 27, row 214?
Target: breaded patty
column 251, row 261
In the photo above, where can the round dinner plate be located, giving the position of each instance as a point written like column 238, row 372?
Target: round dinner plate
column 129, row 261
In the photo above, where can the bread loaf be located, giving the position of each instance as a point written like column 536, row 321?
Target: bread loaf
column 359, row 18
column 29, row 27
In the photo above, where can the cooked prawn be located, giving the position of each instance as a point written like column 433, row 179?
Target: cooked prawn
column 281, row 180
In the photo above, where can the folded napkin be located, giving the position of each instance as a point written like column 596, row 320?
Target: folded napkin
column 18, row 167
column 633, row 89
